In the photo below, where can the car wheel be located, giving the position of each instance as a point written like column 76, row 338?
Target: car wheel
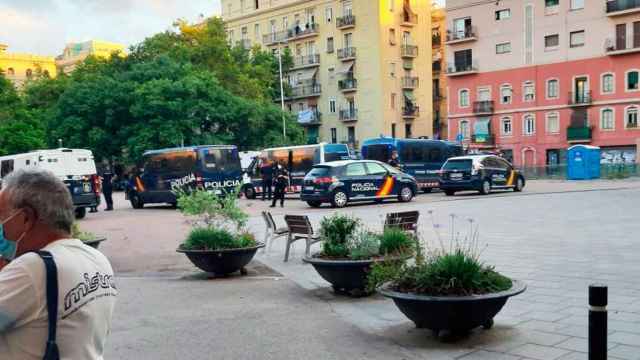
column 339, row 199
column 314, row 204
column 136, row 201
column 406, row 194
column 449, row 192
column 519, row 185
column 427, row 190
column 250, row 192
column 81, row 213
column 485, row 188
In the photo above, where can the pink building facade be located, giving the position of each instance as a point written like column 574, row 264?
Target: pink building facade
column 530, row 78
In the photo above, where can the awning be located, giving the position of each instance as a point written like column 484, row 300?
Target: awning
column 346, row 67
column 481, row 129
column 409, row 96
column 306, row 74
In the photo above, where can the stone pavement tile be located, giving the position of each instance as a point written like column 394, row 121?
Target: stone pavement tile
column 488, row 355
column 542, row 325
column 579, row 344
column 624, row 316
column 625, row 338
column 580, row 320
column 539, row 352
column 624, row 326
column 545, row 316
column 625, row 352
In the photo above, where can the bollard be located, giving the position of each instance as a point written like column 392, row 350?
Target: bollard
column 598, row 322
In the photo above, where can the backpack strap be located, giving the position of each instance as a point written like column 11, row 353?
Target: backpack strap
column 51, row 352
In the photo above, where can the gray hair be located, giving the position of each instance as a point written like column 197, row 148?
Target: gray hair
column 42, row 191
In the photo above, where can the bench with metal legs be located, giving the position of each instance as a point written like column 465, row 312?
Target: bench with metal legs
column 299, row 228
column 272, row 231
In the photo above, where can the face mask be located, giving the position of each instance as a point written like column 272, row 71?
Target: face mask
column 8, row 248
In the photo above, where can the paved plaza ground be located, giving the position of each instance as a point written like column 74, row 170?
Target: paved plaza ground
column 557, row 236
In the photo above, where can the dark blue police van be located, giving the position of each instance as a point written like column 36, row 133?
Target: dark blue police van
column 212, row 167
column 420, row 158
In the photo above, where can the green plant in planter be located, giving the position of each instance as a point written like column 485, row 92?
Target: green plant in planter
column 83, row 236
column 364, row 245
column 395, row 241
column 336, row 232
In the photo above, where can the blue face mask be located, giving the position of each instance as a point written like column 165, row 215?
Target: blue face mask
column 8, row 248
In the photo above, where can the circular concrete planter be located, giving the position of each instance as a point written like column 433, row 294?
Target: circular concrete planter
column 222, row 262
column 457, row 314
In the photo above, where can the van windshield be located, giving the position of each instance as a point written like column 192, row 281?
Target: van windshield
column 457, row 165
column 224, row 160
column 335, row 152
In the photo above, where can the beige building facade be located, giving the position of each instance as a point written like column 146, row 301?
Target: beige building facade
column 20, row 68
column 438, row 38
column 362, row 68
column 75, row 53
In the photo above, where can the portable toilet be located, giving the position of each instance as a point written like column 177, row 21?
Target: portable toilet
column 583, row 162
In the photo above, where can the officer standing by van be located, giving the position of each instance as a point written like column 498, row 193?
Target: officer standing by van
column 107, row 188
column 266, row 173
column 394, row 160
column 280, row 183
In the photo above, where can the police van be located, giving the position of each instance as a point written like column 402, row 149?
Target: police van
column 75, row 167
column 481, row 173
column 421, row 158
column 212, row 167
column 296, row 160
column 341, row 182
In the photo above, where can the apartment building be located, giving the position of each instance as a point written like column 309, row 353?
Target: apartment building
column 75, row 53
column 20, row 68
column 530, row 78
column 361, row 67
column 438, row 37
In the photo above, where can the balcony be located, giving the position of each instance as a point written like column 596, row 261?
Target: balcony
column 410, row 82
column 409, row 51
column 436, row 40
column 346, row 22
column 483, row 107
column 436, row 67
column 457, row 37
column 622, row 7
column 348, row 53
column 309, row 118
column 409, row 18
column 303, row 32
column 483, row 139
column 579, row 134
column 301, row 62
column 410, row 112
column 463, row 69
column 580, row 98
column 615, row 47
column 438, row 96
column 348, row 84
column 352, row 143
column 275, row 38
column 304, row 91
column 348, row 115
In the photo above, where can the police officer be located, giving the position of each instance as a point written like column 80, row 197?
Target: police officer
column 107, row 188
column 280, row 183
column 266, row 172
column 394, row 160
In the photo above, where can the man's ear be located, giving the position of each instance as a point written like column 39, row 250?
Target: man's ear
column 30, row 217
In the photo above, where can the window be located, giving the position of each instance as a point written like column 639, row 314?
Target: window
column 392, row 36
column 393, row 130
column 503, row 14
column 332, row 106
column 392, row 69
column 242, row 5
column 529, row 125
column 577, row 4
column 465, row 130
column 329, row 45
column 356, row 169
column 391, row 5
column 376, row 169
column 529, row 91
column 256, row 31
column 553, row 123
column 29, row 73
column 606, row 119
column 608, row 84
column 576, row 38
column 463, row 98
column 334, row 135
column 393, row 100
column 633, row 81
column 484, row 94
column 328, row 14
column 506, row 94
column 506, row 126
column 11, row 71
column 256, row 4
column 407, row 131
column 551, row 41
column 631, row 117
column 503, row 48
column 553, row 89
column 332, row 75
column 550, row 3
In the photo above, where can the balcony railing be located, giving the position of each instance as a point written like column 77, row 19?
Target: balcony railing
column 579, row 133
column 410, row 111
column 410, row 82
column 409, row 51
column 467, row 34
column 348, row 84
column 409, row 18
column 483, row 139
column 275, row 38
column 615, row 46
column 347, row 21
column 347, row 53
column 436, row 66
column 436, row 40
column 348, row 115
column 306, row 61
column 462, row 69
column 580, row 98
column 438, row 96
column 618, row 7
column 314, row 119
column 302, row 31
column 483, row 107
column 302, row 91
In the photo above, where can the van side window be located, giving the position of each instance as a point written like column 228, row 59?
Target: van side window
column 435, row 156
column 221, row 159
column 6, row 167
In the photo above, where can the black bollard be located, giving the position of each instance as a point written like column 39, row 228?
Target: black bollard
column 598, row 322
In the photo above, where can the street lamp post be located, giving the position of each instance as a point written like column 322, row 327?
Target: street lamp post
column 284, row 124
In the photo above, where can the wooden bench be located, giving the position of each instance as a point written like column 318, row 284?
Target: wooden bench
column 299, row 228
column 406, row 221
column 273, row 231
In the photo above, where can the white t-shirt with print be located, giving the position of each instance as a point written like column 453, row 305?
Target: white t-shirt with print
column 86, row 298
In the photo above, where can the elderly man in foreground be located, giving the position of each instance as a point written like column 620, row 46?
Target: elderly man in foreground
column 57, row 295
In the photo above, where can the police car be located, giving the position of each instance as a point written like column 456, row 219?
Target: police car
column 482, row 173
column 341, row 182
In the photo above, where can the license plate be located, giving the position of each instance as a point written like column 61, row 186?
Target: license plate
column 218, row 192
column 86, row 187
column 309, row 188
column 456, row 176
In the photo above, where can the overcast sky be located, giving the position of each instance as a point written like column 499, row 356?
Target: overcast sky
column 45, row 26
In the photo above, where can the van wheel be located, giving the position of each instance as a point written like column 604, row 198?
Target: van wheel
column 314, row 204
column 249, row 192
column 485, row 188
column 339, row 199
column 449, row 192
column 406, row 194
column 136, row 201
column 519, row 185
column 81, row 213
